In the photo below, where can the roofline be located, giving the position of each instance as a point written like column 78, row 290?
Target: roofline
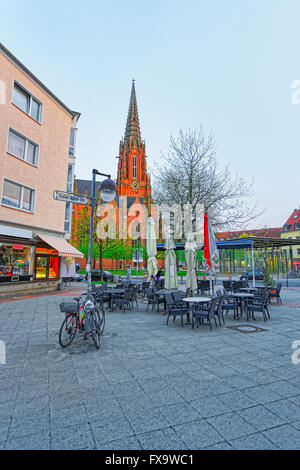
column 247, row 241
column 24, row 69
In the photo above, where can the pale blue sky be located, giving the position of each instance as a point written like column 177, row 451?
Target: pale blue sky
column 227, row 63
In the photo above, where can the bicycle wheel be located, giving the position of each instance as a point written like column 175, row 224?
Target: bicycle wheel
column 95, row 328
column 68, row 331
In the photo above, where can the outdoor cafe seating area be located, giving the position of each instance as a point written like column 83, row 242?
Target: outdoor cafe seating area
column 235, row 300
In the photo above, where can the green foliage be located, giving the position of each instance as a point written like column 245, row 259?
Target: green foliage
column 262, row 261
column 199, row 255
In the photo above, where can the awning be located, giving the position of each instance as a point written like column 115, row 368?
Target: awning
column 256, row 242
column 61, row 245
column 240, row 243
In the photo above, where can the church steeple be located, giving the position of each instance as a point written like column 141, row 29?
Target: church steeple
column 132, row 179
column 132, row 131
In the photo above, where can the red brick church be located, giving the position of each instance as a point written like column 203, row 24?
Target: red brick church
column 132, row 181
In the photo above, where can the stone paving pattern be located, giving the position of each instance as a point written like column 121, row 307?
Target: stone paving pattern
column 150, row 386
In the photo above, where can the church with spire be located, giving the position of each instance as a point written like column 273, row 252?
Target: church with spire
column 132, row 178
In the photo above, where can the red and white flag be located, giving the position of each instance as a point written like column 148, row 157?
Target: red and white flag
column 210, row 245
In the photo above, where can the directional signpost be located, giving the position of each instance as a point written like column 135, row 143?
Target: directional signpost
column 70, row 197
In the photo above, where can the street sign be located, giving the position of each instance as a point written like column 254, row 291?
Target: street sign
column 70, row 197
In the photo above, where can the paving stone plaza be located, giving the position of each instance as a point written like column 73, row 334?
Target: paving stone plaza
column 150, row 386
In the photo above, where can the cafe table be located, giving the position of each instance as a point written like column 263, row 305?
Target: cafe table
column 249, row 289
column 242, row 296
column 112, row 293
column 196, row 300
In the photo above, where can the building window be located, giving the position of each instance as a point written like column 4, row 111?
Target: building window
column 134, row 167
column 298, row 251
column 67, row 217
column 72, row 142
column 18, row 196
column 297, row 226
column 21, row 147
column 287, row 227
column 70, row 179
column 27, row 102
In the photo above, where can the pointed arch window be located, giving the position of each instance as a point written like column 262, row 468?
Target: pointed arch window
column 134, row 166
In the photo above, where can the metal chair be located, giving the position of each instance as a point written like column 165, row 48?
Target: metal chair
column 230, row 303
column 199, row 314
column 175, row 310
column 259, row 303
column 276, row 294
column 219, row 309
column 152, row 299
column 134, row 294
column 123, row 301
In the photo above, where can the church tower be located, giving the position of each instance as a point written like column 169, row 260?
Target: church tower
column 132, row 179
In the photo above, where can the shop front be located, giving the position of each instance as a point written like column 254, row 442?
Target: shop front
column 47, row 264
column 55, row 258
column 16, row 261
column 35, row 265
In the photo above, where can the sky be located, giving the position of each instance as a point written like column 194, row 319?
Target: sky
column 228, row 64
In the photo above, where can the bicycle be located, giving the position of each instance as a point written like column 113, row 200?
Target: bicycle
column 85, row 318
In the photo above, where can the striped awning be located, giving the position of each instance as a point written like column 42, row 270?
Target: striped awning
column 61, row 245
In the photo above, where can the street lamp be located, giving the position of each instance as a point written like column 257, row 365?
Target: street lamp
column 108, row 191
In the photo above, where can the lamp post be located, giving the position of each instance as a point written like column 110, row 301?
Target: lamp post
column 108, row 191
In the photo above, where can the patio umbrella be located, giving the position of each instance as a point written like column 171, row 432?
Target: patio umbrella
column 151, row 248
column 210, row 245
column 171, row 280
column 190, row 259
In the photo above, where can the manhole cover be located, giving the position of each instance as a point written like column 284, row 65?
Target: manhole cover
column 247, row 329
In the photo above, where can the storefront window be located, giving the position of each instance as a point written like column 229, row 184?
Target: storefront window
column 14, row 262
column 53, row 267
column 47, row 267
column 41, row 267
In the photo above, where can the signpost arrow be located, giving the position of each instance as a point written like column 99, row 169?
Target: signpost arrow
column 70, row 197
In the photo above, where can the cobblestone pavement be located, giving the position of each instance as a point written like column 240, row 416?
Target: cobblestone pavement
column 150, row 386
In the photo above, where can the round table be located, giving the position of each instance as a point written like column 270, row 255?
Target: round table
column 112, row 292
column 196, row 300
column 242, row 296
column 249, row 289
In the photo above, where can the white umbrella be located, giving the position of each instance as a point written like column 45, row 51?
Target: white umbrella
column 190, row 259
column 151, row 248
column 171, row 280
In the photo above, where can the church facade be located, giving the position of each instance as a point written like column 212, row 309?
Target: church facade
column 133, row 188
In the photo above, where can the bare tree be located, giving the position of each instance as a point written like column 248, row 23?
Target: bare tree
column 191, row 174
